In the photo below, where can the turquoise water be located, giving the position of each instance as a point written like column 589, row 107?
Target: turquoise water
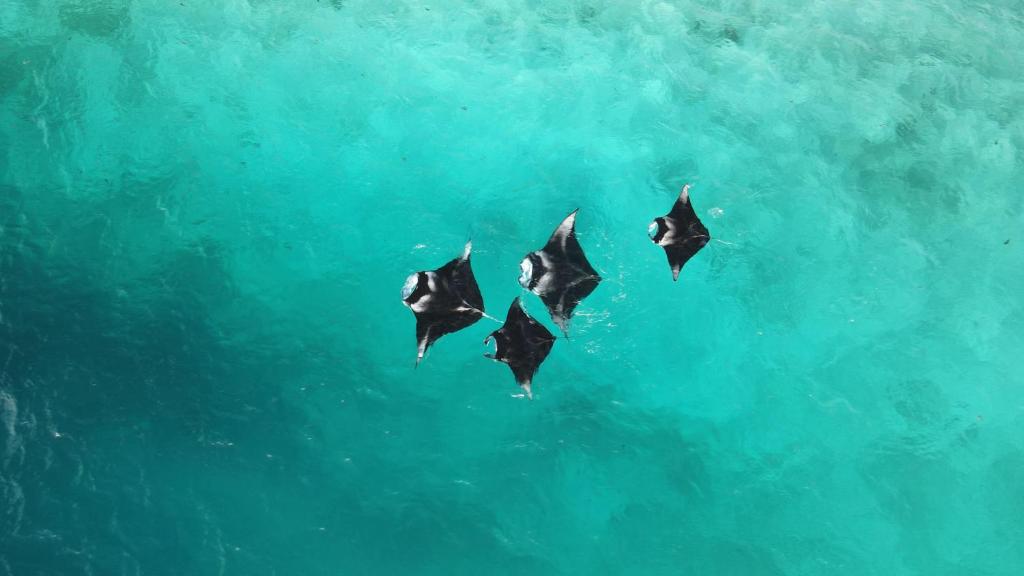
column 208, row 210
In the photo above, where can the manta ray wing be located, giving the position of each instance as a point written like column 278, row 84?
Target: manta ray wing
column 679, row 254
column 563, row 246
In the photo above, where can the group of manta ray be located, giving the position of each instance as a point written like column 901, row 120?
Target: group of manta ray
column 448, row 299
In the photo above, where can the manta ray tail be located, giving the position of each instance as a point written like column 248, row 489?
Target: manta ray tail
column 489, row 317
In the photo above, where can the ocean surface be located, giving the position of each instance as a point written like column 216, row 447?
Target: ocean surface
column 208, row 210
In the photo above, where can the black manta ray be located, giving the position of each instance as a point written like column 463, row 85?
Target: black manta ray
column 522, row 343
column 559, row 273
column 679, row 232
column 445, row 300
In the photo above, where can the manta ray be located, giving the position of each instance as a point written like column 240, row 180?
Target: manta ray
column 522, row 343
column 559, row 273
column 679, row 232
column 445, row 300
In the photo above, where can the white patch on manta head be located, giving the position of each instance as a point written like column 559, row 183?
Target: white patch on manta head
column 410, row 285
column 526, row 272
column 423, row 303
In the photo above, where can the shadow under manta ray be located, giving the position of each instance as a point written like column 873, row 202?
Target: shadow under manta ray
column 522, row 343
column 445, row 300
column 559, row 273
column 679, row 232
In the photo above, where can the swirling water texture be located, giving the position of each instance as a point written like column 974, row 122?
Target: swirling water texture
column 207, row 210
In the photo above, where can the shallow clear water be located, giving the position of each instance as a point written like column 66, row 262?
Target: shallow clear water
column 208, row 210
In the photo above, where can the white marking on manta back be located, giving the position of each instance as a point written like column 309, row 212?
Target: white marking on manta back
column 423, row 304
column 670, row 232
column 547, row 277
